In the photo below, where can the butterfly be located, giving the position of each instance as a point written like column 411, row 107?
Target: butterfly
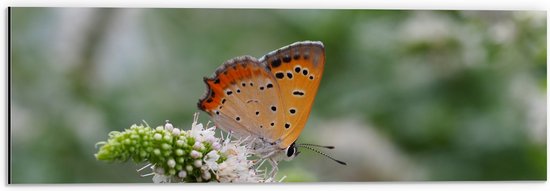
column 268, row 99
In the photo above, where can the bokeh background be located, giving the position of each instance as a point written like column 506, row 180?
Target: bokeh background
column 406, row 95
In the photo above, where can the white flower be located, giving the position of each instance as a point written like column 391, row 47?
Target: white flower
column 235, row 168
column 171, row 163
column 200, row 134
column 197, row 163
column 168, row 126
column 176, row 131
column 196, row 128
column 211, row 160
column 197, row 146
column 182, row 174
column 206, row 175
column 189, row 168
column 180, row 143
column 157, row 136
column 159, row 170
column 195, row 154
column 158, row 178
column 216, row 146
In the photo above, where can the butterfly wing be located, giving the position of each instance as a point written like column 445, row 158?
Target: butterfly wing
column 298, row 69
column 271, row 98
column 239, row 98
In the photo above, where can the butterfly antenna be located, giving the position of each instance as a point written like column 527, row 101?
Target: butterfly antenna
column 314, row 145
column 307, row 146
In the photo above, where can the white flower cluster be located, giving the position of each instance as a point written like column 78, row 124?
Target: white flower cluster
column 235, row 168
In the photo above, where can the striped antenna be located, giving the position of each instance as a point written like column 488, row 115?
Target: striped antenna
column 308, row 146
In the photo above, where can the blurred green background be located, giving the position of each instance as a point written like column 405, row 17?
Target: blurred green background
column 406, row 95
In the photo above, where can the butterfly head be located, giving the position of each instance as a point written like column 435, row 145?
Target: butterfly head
column 291, row 152
column 274, row 150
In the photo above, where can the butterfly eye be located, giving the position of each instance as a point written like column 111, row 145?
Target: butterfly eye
column 291, row 151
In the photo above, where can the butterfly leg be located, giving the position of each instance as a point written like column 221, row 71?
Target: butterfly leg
column 274, row 167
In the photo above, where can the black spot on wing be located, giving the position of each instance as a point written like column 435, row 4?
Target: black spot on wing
column 279, row 75
column 296, row 56
column 298, row 93
column 292, row 111
column 275, row 63
column 286, row 58
column 289, row 75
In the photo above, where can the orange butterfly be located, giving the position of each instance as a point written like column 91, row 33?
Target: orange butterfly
column 268, row 99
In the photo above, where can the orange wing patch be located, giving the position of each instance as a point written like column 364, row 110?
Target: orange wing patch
column 298, row 70
column 231, row 72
